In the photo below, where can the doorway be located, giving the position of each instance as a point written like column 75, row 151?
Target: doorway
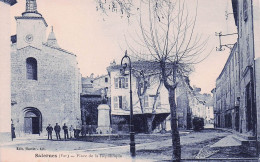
column 32, row 121
column 250, row 109
column 237, row 118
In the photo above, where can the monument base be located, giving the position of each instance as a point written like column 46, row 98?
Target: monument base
column 104, row 130
column 103, row 119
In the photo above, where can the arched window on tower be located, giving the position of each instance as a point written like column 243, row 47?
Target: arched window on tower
column 31, row 67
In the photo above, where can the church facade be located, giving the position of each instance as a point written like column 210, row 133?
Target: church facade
column 45, row 79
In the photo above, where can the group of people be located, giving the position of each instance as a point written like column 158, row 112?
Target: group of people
column 57, row 130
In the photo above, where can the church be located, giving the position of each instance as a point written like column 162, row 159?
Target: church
column 45, row 79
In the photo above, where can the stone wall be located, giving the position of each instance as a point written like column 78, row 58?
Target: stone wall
column 56, row 91
column 246, row 52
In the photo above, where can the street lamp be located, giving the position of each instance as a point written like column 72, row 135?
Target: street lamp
column 132, row 133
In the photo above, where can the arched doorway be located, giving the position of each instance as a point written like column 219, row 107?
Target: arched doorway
column 32, row 121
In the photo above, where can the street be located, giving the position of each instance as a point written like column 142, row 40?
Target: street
column 154, row 147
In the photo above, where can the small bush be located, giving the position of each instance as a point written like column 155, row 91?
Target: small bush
column 198, row 124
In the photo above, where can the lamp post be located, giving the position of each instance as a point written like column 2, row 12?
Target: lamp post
column 132, row 133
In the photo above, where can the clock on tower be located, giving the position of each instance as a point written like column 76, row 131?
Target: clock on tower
column 29, row 38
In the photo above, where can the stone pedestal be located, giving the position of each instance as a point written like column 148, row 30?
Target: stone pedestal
column 103, row 119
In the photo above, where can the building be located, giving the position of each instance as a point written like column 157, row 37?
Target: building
column 45, row 79
column 248, row 25
column 153, row 105
column 191, row 103
column 94, row 91
column 227, row 93
column 120, row 100
column 203, row 106
column 237, row 104
column 5, row 81
column 96, row 85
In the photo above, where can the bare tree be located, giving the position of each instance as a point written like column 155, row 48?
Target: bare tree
column 170, row 43
column 170, row 40
column 146, row 78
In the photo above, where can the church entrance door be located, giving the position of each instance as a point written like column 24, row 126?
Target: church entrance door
column 32, row 122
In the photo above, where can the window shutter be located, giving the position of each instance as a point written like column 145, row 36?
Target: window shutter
column 116, row 82
column 124, row 102
column 123, row 82
column 115, row 102
column 126, row 82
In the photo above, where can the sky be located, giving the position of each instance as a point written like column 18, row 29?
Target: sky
column 98, row 39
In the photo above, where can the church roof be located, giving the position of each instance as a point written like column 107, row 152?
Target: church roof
column 33, row 18
column 58, row 48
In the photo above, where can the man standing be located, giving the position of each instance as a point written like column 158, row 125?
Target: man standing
column 71, row 130
column 84, row 130
column 49, row 130
column 13, row 131
column 66, row 133
column 57, row 131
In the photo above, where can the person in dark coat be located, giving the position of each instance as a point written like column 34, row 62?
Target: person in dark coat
column 84, row 130
column 13, row 131
column 66, row 132
column 57, row 131
column 49, row 130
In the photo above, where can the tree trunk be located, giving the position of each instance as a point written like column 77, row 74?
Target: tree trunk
column 176, row 155
column 149, row 120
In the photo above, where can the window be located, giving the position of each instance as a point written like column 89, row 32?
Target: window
column 106, row 80
column 245, row 10
column 31, row 67
column 121, row 82
column 120, row 102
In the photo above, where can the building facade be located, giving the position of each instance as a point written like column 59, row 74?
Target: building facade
column 45, row 79
column 188, row 104
column 227, row 93
column 95, row 91
column 120, row 100
column 247, row 19
column 5, row 66
column 237, row 87
column 191, row 103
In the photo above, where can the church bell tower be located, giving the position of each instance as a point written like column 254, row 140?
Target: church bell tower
column 31, row 6
column 31, row 27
